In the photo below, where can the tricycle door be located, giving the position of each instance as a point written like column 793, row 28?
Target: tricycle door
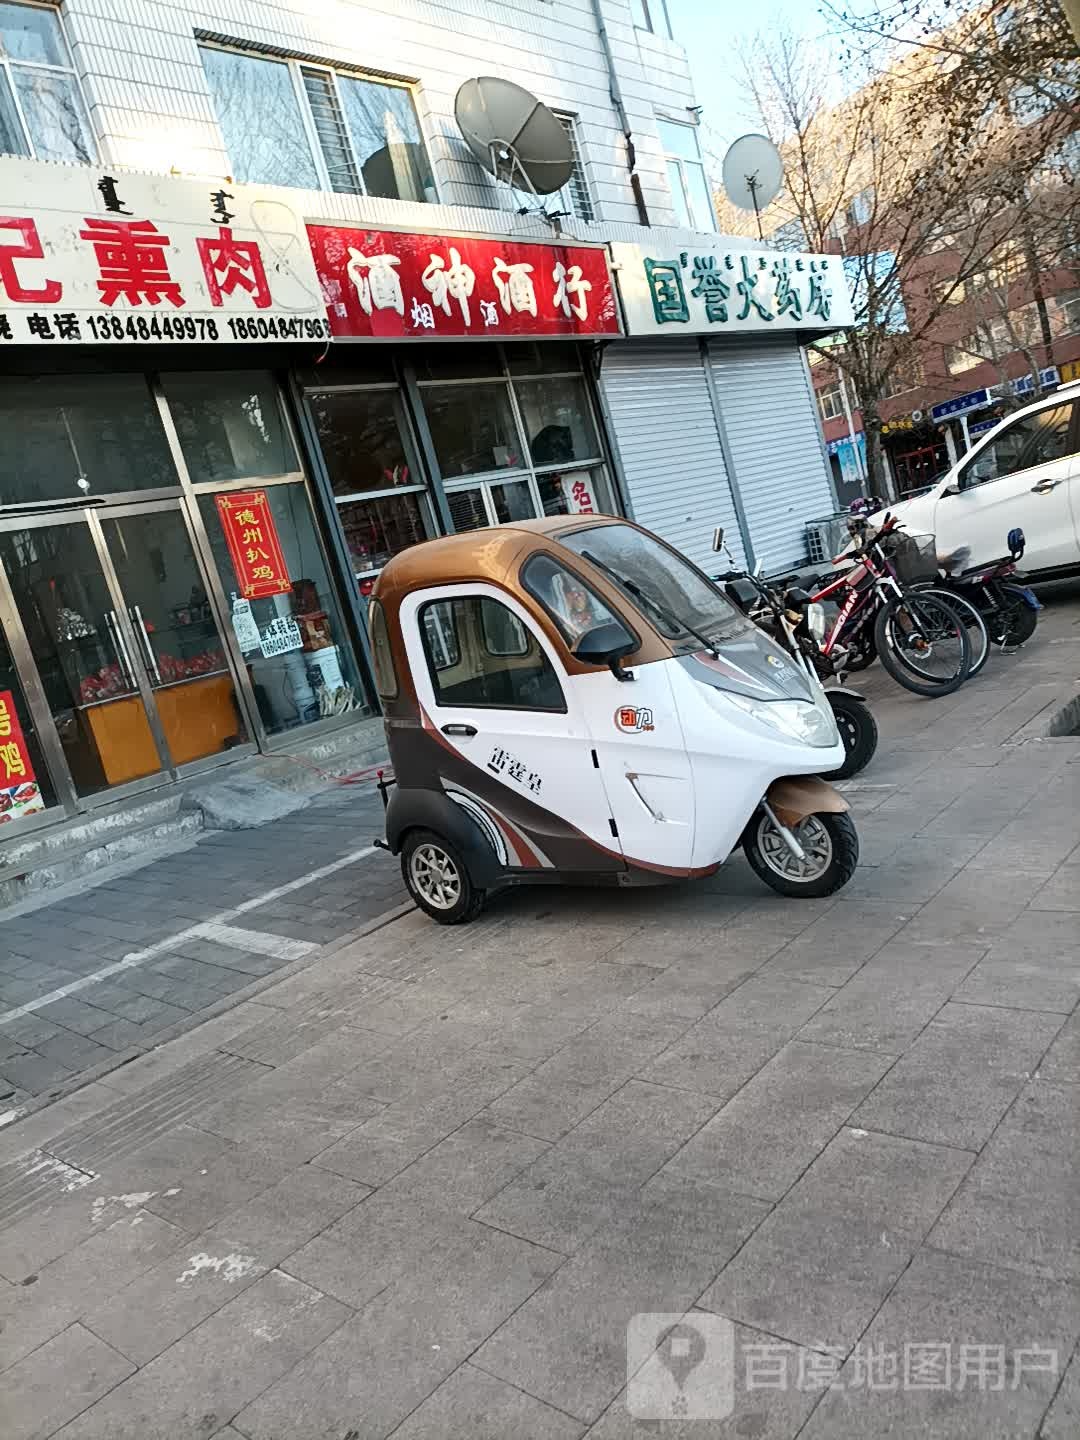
column 503, row 732
column 638, row 737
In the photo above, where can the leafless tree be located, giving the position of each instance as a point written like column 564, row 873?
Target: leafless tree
column 908, row 183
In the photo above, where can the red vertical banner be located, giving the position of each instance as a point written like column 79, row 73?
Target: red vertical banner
column 20, row 793
column 252, row 538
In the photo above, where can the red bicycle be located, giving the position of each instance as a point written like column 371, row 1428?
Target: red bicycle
column 920, row 639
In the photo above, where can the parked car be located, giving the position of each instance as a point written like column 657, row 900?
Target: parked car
column 1024, row 472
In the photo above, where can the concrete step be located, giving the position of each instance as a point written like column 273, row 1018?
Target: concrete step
column 61, row 863
column 168, row 817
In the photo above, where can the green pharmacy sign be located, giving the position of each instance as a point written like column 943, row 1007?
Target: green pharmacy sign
column 731, row 290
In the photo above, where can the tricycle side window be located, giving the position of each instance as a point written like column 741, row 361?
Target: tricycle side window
column 382, row 656
column 574, row 606
column 480, row 654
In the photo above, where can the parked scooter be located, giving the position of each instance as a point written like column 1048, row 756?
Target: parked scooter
column 798, row 624
column 1009, row 608
column 571, row 699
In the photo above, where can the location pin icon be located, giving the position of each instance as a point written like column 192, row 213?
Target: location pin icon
column 681, row 1350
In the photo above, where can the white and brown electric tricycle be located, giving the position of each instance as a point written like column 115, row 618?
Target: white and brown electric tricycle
column 571, row 700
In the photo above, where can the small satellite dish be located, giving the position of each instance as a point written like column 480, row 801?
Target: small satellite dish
column 753, row 173
column 513, row 135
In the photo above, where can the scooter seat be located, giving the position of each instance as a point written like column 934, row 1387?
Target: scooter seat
column 975, row 570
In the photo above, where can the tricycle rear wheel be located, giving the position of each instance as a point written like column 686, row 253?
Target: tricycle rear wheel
column 436, row 877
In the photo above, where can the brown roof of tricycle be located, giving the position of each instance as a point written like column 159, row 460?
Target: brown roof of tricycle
column 489, row 554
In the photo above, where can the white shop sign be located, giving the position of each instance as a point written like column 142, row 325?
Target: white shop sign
column 711, row 288
column 93, row 256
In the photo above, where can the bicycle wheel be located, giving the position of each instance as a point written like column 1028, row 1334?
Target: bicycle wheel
column 923, row 643
column 975, row 621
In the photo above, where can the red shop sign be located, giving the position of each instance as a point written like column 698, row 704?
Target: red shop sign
column 252, row 538
column 382, row 284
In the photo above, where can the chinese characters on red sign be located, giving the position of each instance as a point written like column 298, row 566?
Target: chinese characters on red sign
column 169, row 261
column 252, row 538
column 378, row 283
column 19, row 791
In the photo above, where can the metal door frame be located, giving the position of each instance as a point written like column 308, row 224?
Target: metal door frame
column 182, row 505
column 44, row 721
column 70, row 801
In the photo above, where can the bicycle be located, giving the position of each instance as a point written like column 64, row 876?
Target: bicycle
column 920, row 638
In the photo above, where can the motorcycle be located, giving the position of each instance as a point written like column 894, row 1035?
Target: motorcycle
column 1009, row 608
column 795, row 622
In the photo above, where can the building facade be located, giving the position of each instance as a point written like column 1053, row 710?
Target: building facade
column 265, row 321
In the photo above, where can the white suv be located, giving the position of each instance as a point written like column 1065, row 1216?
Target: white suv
column 1026, row 472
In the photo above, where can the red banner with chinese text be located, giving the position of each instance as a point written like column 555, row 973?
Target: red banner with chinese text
column 20, row 793
column 381, row 284
column 252, row 538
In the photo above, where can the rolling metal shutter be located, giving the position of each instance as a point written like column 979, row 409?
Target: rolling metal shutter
column 658, row 401
column 767, row 409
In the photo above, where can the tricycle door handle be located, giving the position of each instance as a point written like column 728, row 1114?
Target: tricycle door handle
column 459, row 729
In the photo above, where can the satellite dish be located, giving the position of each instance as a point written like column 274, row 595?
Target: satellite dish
column 753, row 173
column 513, row 135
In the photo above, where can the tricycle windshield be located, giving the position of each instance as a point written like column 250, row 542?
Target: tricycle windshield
column 675, row 599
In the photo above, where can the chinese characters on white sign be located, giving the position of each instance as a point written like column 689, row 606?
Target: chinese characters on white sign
column 93, row 257
column 717, row 289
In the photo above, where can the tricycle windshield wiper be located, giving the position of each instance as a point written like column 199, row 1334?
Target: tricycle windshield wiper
column 668, row 616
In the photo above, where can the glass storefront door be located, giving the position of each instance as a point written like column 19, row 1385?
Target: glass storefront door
column 118, row 627
column 83, row 652
column 179, row 643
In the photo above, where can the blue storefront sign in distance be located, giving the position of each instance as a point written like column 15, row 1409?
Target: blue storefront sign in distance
column 961, row 405
column 980, row 427
column 1046, row 379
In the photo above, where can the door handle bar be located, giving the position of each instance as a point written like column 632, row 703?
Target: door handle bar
column 140, row 630
column 121, row 648
column 459, row 729
column 1044, row 487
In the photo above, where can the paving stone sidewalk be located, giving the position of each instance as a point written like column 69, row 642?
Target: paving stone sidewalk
column 421, row 1187
column 196, row 961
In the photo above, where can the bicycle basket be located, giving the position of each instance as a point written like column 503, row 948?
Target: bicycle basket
column 914, row 558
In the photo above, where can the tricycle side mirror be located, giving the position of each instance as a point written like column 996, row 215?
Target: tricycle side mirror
column 607, row 645
column 718, row 538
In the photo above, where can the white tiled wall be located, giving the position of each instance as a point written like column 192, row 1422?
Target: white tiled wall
column 151, row 109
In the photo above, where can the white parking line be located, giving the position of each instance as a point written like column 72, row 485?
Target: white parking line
column 193, row 932
column 257, row 942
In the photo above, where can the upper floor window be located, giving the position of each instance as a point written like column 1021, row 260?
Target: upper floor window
column 861, row 206
column 1066, row 317
column 690, row 196
column 575, row 193
column 574, row 198
column 830, row 403
column 42, row 114
column 958, row 358
column 789, row 236
column 286, row 122
column 652, row 15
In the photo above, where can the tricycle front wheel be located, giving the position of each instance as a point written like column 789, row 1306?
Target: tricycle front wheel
column 830, row 847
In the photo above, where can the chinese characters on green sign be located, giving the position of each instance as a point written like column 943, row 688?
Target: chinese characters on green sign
column 731, row 288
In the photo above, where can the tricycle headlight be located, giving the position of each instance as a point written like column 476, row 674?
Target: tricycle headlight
column 797, row 719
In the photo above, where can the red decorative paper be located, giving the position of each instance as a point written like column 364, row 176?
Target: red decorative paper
column 252, row 538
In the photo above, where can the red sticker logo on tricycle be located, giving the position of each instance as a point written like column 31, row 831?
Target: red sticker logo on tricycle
column 633, row 719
